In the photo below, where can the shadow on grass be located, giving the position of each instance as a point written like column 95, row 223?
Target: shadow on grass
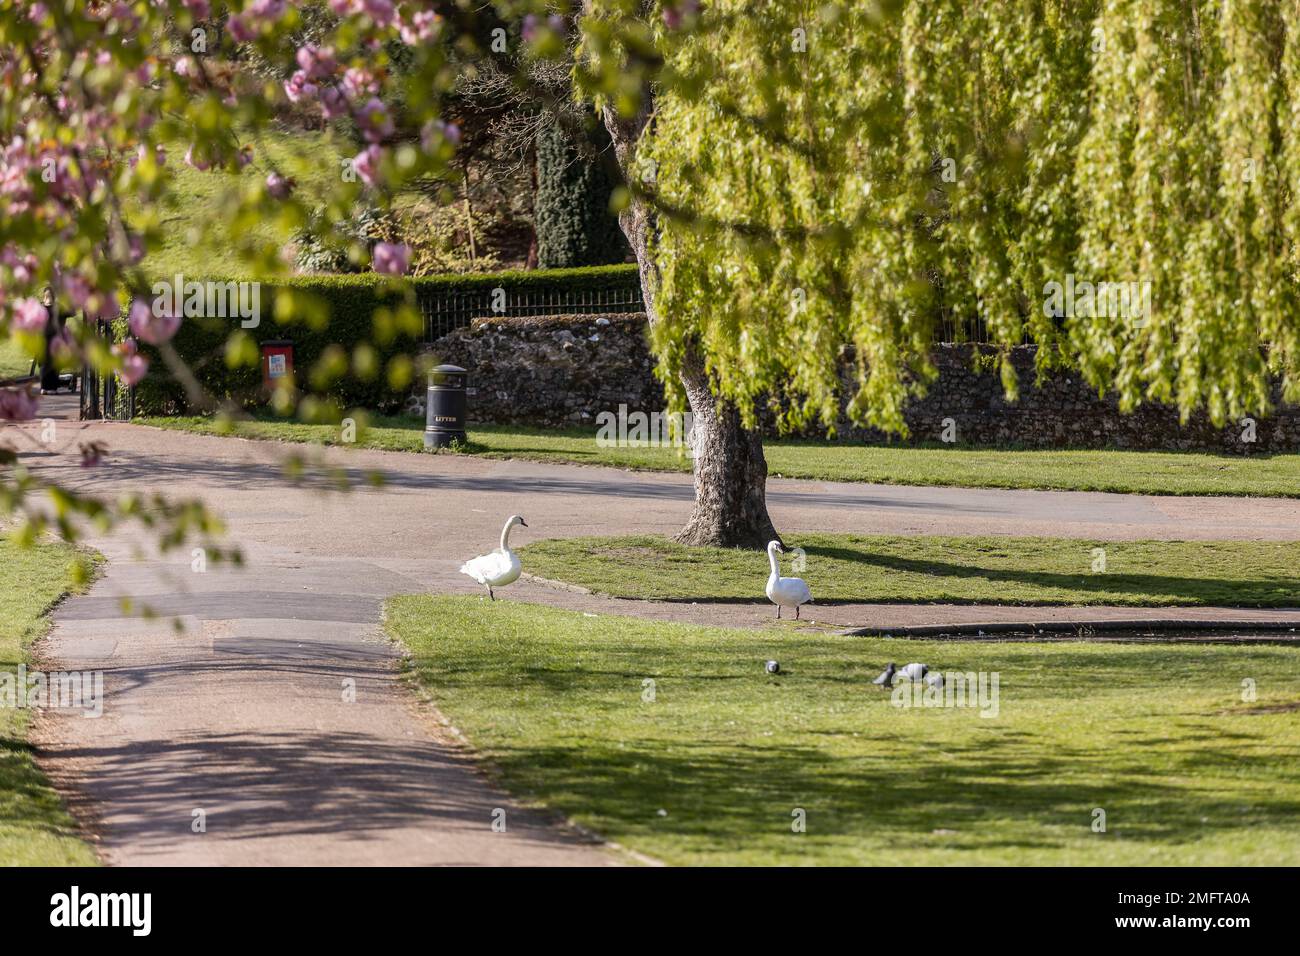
column 1184, row 590
column 27, row 803
column 725, row 800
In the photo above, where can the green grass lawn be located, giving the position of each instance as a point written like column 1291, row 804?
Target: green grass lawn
column 35, row 829
column 195, row 238
column 1153, row 473
column 14, row 362
column 885, row 568
column 712, row 770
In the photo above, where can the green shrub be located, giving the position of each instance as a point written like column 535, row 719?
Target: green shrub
column 574, row 224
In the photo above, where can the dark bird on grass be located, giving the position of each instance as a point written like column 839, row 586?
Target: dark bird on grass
column 915, row 672
column 886, row 678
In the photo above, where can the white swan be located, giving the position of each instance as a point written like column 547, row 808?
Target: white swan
column 785, row 592
column 500, row 567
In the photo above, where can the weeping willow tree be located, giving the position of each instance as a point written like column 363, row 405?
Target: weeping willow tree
column 812, row 187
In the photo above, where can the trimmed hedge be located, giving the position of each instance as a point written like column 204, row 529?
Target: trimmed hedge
column 583, row 279
column 327, row 318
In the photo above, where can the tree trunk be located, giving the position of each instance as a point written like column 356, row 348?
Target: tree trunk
column 730, row 473
column 730, row 469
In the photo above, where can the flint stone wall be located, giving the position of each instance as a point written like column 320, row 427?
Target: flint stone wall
column 563, row 371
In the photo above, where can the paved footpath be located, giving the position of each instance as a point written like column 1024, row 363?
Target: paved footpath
column 241, row 714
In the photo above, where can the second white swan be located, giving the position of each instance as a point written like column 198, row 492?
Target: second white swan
column 500, row 567
column 785, row 592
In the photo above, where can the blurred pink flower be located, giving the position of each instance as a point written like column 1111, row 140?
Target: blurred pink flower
column 333, row 103
column 149, row 327
column 198, row 164
column 317, row 62
column 278, row 186
column 438, row 132
column 269, row 9
column 373, row 120
column 391, row 258
column 358, row 83
column 366, row 164
column 30, row 316
column 240, row 30
column 380, row 11
column 422, row 28
column 18, row 404
column 103, row 305
column 298, row 87
column 134, row 365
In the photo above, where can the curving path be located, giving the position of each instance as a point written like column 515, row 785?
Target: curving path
column 242, row 713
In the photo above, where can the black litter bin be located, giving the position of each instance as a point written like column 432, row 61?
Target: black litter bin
column 444, row 416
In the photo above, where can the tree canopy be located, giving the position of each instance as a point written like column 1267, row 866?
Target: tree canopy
column 847, row 175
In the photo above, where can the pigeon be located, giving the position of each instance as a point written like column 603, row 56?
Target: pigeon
column 914, row 672
column 886, row 678
column 934, row 680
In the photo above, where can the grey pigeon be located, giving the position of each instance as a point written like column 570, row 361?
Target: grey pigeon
column 886, row 678
column 914, row 672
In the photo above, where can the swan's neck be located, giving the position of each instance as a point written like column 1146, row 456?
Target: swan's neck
column 505, row 536
column 771, row 559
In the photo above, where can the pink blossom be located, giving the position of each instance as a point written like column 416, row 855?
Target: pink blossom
column 185, row 66
column 298, row 87
column 30, row 316
column 422, row 28
column 373, row 119
column 18, row 404
column 199, row 164
column 150, row 326
column 134, row 365
column 240, row 30
column 532, row 29
column 267, row 9
column 63, row 347
column 358, row 83
column 438, row 132
column 278, row 186
column 380, row 11
column 366, row 164
column 199, row 9
column 391, row 258
column 76, row 287
column 317, row 62
column 103, row 305
column 244, row 156
column 333, row 104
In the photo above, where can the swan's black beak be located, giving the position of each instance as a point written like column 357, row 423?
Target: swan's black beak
column 523, row 523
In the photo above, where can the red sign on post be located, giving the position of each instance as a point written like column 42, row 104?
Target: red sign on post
column 277, row 362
